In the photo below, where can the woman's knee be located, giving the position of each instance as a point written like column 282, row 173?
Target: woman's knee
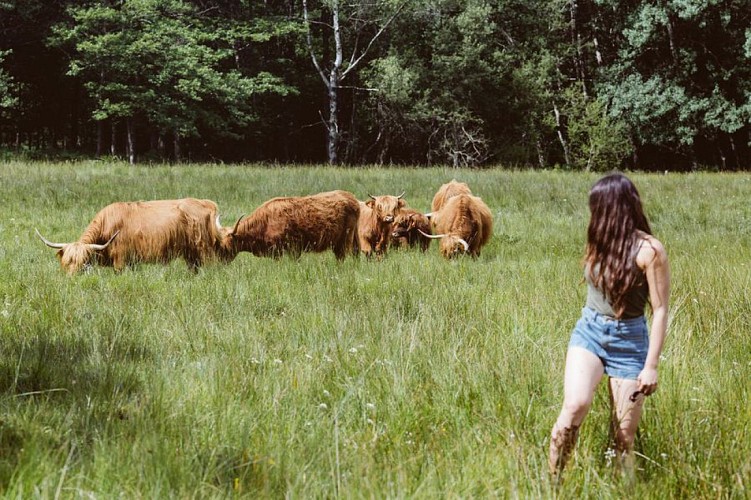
column 576, row 408
column 624, row 440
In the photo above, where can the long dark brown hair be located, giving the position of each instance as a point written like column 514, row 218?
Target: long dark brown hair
column 613, row 237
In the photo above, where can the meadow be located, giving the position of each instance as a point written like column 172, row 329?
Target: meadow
column 405, row 377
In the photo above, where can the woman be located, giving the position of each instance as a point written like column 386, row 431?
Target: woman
column 624, row 267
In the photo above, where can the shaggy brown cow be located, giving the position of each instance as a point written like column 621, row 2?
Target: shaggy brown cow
column 464, row 225
column 125, row 233
column 299, row 224
column 446, row 191
column 374, row 226
column 405, row 230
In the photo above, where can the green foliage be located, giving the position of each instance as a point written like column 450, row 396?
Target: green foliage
column 163, row 61
column 465, row 82
column 597, row 141
column 660, row 82
column 8, row 97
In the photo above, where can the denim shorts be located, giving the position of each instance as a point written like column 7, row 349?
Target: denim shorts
column 621, row 345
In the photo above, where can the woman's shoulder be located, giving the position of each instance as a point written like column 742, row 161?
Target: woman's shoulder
column 651, row 251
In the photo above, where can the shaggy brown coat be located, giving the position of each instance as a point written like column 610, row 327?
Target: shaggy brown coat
column 299, row 224
column 374, row 226
column 125, row 233
column 405, row 230
column 446, row 191
column 464, row 225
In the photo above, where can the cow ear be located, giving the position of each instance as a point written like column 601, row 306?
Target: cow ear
column 59, row 254
column 401, row 203
column 370, row 203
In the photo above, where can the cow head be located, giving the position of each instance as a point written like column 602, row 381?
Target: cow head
column 451, row 245
column 406, row 223
column 386, row 207
column 229, row 244
column 75, row 256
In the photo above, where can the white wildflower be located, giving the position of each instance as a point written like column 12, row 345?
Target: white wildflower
column 323, row 406
column 609, row 456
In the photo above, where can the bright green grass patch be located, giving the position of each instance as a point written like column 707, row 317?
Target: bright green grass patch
column 405, row 377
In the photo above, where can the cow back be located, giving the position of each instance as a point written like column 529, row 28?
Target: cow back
column 296, row 224
column 447, row 191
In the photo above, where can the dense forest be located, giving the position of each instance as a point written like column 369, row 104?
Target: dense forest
column 580, row 84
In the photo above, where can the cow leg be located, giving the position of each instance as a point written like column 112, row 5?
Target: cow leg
column 340, row 251
column 380, row 248
column 118, row 263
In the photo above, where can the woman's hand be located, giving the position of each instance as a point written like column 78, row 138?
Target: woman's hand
column 647, row 380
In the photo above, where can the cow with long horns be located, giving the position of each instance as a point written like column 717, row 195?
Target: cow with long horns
column 374, row 226
column 126, row 233
column 293, row 225
column 464, row 225
column 447, row 191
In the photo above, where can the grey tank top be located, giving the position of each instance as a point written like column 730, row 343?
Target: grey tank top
column 636, row 297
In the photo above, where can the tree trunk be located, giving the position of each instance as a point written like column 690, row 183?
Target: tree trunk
column 736, row 159
column 561, row 137
column 671, row 38
column 333, row 89
column 634, row 152
column 576, row 43
column 113, row 138
column 335, row 75
column 99, row 138
column 722, row 156
column 540, row 152
column 177, row 147
column 131, row 141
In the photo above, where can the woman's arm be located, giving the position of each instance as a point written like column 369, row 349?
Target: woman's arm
column 654, row 260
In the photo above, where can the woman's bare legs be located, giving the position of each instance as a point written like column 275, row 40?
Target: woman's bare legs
column 625, row 419
column 584, row 371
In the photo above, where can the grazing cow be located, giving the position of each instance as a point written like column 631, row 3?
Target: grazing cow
column 374, row 225
column 126, row 233
column 405, row 230
column 446, row 191
column 464, row 225
column 299, row 224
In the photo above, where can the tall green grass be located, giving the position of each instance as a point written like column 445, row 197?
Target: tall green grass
column 405, row 377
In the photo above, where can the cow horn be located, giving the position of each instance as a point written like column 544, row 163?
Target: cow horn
column 234, row 228
column 464, row 244
column 429, row 215
column 401, row 195
column 49, row 243
column 431, row 236
column 371, row 196
column 98, row 247
column 218, row 224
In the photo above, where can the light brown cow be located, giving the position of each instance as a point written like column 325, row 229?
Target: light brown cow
column 299, row 224
column 126, row 233
column 464, row 225
column 446, row 191
column 406, row 228
column 374, row 226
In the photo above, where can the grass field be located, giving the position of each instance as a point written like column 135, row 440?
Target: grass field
column 406, row 377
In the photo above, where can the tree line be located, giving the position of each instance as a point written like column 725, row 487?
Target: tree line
column 580, row 84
